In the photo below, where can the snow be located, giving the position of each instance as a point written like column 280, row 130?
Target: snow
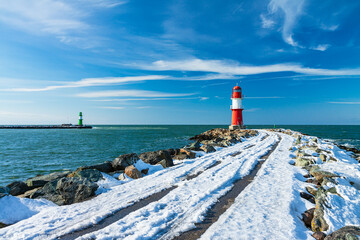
column 51, row 223
column 14, row 209
column 187, row 204
column 270, row 207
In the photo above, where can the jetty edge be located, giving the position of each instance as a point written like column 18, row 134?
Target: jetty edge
column 323, row 162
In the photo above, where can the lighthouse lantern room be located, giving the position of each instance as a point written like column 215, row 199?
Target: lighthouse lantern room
column 236, row 108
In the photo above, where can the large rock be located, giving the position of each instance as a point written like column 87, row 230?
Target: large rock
column 166, row 163
column 40, row 181
column 17, row 188
column 207, row 148
column 189, row 153
column 318, row 223
column 132, row 172
column 303, row 161
column 30, row 193
column 121, row 162
column 345, row 233
column 307, row 217
column 2, row 225
column 4, row 191
column 105, row 167
column 91, row 175
column 67, row 191
column 320, row 175
column 195, row 146
column 319, row 235
column 155, row 157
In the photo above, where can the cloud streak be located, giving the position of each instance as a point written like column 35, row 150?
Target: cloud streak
column 233, row 68
column 132, row 93
column 291, row 9
column 348, row 103
column 89, row 82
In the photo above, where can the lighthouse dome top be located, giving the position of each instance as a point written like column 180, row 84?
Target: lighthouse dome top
column 237, row 88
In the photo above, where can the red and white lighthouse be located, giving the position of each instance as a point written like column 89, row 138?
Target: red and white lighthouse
column 236, row 108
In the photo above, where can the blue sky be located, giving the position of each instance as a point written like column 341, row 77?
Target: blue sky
column 175, row 62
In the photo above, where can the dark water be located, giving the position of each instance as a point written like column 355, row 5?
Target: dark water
column 27, row 152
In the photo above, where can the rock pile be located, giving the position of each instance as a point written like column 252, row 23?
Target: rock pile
column 309, row 155
column 69, row 187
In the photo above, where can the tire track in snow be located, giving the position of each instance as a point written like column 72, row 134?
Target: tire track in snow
column 182, row 203
column 121, row 213
column 223, row 203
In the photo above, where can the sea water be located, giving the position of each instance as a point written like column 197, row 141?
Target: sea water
column 25, row 153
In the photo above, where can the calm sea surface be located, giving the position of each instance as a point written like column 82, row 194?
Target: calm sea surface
column 27, row 152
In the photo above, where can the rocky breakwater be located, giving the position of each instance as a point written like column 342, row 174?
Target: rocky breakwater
column 314, row 155
column 68, row 187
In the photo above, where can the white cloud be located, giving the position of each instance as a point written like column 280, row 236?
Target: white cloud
column 329, row 27
column 233, row 68
column 204, row 98
column 145, row 99
column 292, row 9
column 88, row 82
column 117, row 108
column 66, row 20
column 350, row 103
column 251, row 109
column 266, row 22
column 321, row 47
column 132, row 93
column 48, row 16
column 275, row 97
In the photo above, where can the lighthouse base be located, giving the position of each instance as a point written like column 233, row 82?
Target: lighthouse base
column 234, row 127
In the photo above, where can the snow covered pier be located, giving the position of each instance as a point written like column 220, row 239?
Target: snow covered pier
column 284, row 175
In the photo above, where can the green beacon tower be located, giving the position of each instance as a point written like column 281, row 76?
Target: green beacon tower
column 80, row 119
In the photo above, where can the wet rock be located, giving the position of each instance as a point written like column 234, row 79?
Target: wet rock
column 144, row 171
column 105, row 167
column 306, row 176
column 17, row 188
column 4, row 191
column 121, row 162
column 332, row 159
column 132, row 172
column 308, row 197
column 207, row 148
column 345, row 233
column 40, row 181
column 67, row 190
column 307, row 217
column 189, row 153
column 155, row 157
column 319, row 235
column 92, row 175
